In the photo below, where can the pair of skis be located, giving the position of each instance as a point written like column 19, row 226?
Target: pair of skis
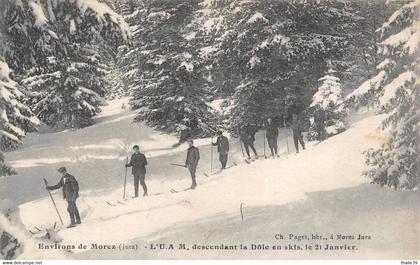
column 38, row 230
column 207, row 174
column 125, row 185
column 178, row 191
column 220, row 170
column 114, row 204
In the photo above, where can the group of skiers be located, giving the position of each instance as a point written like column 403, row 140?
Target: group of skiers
column 247, row 136
column 138, row 161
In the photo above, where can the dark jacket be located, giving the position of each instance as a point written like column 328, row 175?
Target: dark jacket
column 271, row 131
column 138, row 162
column 247, row 134
column 297, row 126
column 193, row 155
column 222, row 144
column 70, row 187
column 319, row 116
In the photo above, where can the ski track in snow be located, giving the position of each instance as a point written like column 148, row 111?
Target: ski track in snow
column 335, row 163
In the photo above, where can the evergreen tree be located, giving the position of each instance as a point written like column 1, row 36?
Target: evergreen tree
column 168, row 83
column 327, row 109
column 4, row 169
column 395, row 90
column 125, row 8
column 211, row 26
column 15, row 117
column 277, row 51
column 56, row 50
column 361, row 57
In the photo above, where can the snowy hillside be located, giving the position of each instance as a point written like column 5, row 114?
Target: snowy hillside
column 95, row 154
column 335, row 163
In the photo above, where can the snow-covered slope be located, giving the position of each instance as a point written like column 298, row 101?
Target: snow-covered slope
column 335, row 163
column 95, row 155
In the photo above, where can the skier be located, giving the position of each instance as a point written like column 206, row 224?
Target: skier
column 193, row 156
column 272, row 133
column 297, row 133
column 319, row 120
column 247, row 135
column 70, row 194
column 222, row 144
column 138, row 161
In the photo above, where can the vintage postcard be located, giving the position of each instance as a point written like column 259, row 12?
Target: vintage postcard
column 209, row 129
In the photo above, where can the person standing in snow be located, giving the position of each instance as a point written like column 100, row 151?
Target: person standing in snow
column 247, row 135
column 138, row 163
column 319, row 120
column 70, row 194
column 297, row 133
column 272, row 133
column 193, row 156
column 222, row 144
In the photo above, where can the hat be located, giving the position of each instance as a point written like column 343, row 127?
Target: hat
column 136, row 147
column 62, row 169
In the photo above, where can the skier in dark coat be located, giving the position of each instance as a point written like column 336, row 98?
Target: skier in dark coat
column 138, row 163
column 247, row 134
column 297, row 133
column 319, row 120
column 272, row 133
column 70, row 194
column 222, row 144
column 193, row 156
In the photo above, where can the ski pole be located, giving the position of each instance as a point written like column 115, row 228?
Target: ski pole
column 287, row 130
column 125, row 177
column 52, row 199
column 264, row 142
column 211, row 157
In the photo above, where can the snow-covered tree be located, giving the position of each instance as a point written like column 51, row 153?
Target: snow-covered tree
column 395, row 90
column 167, row 82
column 15, row 117
column 274, row 52
column 10, row 231
column 55, row 50
column 211, row 27
column 327, row 109
column 361, row 56
column 4, row 169
column 15, row 240
column 125, row 7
